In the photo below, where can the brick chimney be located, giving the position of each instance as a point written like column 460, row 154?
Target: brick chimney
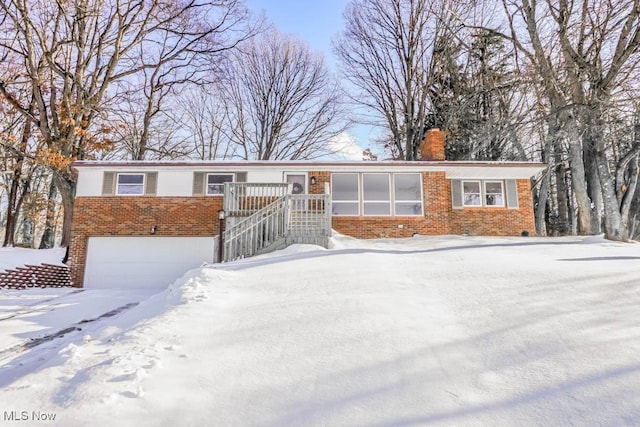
column 432, row 147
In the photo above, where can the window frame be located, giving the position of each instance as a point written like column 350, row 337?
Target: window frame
column 357, row 200
column 480, row 193
column 485, row 193
column 142, row 185
column 392, row 195
column 206, row 182
column 420, row 200
column 376, row 201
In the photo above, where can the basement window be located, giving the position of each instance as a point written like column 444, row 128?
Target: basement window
column 215, row 182
column 130, row 184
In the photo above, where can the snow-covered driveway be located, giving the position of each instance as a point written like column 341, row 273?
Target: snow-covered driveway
column 47, row 317
column 423, row 331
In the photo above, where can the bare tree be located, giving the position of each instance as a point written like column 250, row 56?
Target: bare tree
column 145, row 128
column 281, row 101
column 17, row 167
column 387, row 52
column 202, row 121
column 582, row 52
column 73, row 52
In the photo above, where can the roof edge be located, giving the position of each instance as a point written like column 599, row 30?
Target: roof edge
column 305, row 163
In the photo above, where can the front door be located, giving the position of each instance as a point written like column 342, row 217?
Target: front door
column 299, row 182
column 299, row 186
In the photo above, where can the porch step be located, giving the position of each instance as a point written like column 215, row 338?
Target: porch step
column 277, row 221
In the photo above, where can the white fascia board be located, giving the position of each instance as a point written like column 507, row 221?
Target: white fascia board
column 493, row 172
column 453, row 170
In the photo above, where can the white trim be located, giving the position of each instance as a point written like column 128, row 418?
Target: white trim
column 452, row 169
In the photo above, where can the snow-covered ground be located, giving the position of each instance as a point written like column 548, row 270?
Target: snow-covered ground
column 422, row 331
column 18, row 257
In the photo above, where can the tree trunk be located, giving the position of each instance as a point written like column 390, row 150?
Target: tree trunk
column 561, row 224
column 543, row 190
column 612, row 219
column 16, row 194
column 541, row 207
column 67, row 189
column 48, row 236
column 15, row 197
column 578, row 181
column 595, row 191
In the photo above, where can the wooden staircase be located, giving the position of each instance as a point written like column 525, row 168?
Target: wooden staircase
column 265, row 217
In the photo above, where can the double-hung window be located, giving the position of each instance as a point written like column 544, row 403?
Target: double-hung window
column 471, row 193
column 483, row 193
column 215, row 182
column 493, row 193
column 376, row 194
column 130, row 184
column 345, row 194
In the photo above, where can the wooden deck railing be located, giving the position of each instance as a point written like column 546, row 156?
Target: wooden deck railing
column 255, row 232
column 246, row 198
column 288, row 219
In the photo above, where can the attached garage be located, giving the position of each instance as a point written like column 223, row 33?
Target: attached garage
column 143, row 262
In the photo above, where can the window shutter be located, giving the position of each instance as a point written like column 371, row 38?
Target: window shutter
column 198, row 183
column 512, row 194
column 241, row 177
column 108, row 183
column 456, row 193
column 151, row 184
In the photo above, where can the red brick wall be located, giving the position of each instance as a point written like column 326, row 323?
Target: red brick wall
column 432, row 147
column 497, row 221
column 134, row 216
column 438, row 217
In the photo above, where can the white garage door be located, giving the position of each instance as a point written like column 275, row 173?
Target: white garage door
column 143, row 262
